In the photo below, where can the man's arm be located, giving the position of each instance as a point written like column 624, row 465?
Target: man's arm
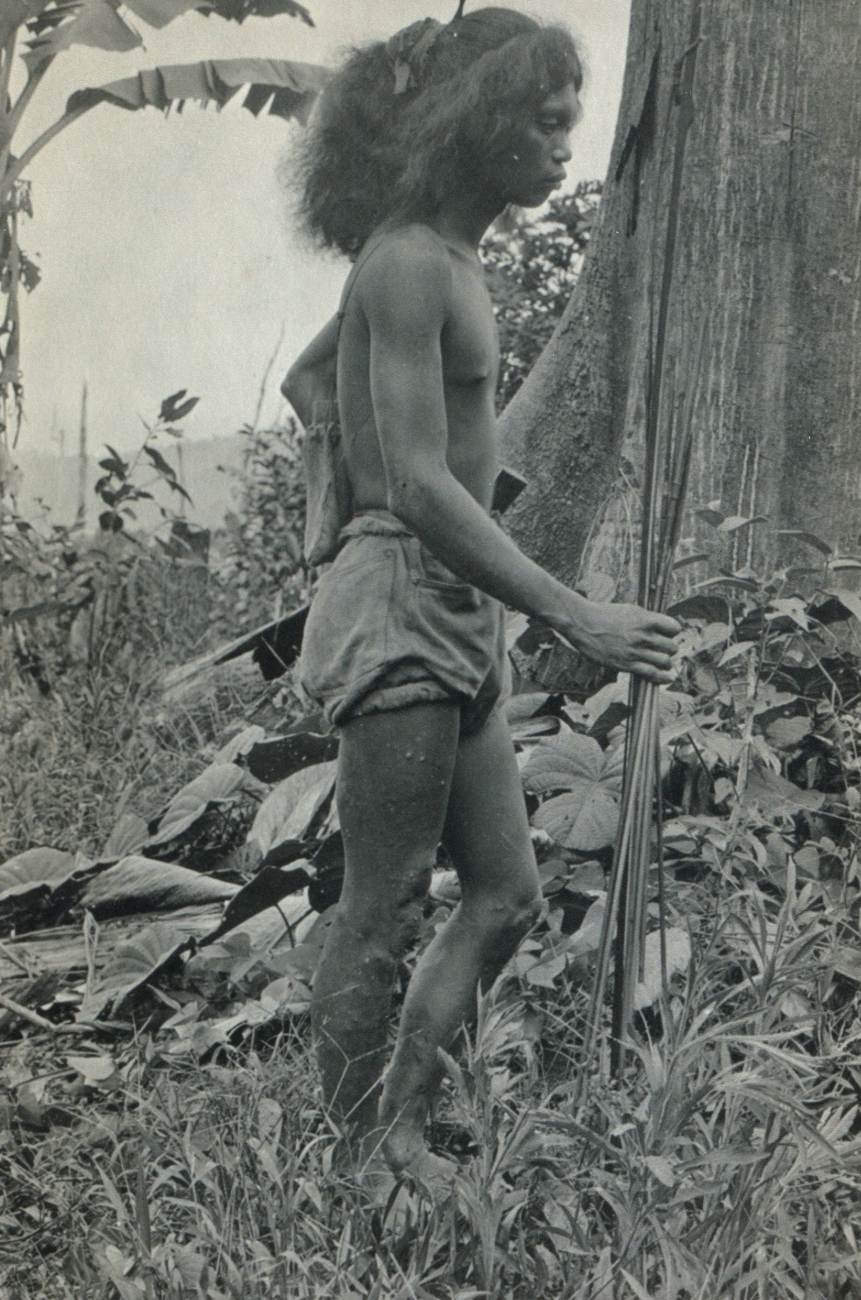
column 311, row 378
column 407, row 298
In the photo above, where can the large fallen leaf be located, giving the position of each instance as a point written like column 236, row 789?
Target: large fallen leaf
column 239, row 745
column 132, row 963
column 144, row 885
column 36, row 869
column 287, row 812
column 265, row 890
column 129, row 835
column 217, row 783
column 258, row 941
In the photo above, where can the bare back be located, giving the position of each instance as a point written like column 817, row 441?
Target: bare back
column 383, row 333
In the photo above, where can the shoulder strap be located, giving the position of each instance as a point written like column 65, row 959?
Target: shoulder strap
column 361, row 261
column 364, row 256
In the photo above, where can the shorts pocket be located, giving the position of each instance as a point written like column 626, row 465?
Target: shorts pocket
column 432, row 575
column 347, row 633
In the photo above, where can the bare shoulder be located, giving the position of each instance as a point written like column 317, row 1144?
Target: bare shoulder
column 408, row 272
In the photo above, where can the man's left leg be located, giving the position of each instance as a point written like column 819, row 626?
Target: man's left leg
column 487, row 835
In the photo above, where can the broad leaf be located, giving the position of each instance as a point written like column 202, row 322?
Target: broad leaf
column 287, row 812
column 775, row 794
column 735, row 650
column 239, row 10
column 524, row 721
column 35, row 869
column 717, row 744
column 158, row 461
column 216, row 783
column 264, row 890
column 260, row 940
column 585, row 818
column 562, row 763
column 129, row 835
column 281, row 87
column 701, row 609
column 87, row 22
column 144, row 885
column 810, row 538
column 784, row 733
column 158, row 13
column 95, row 1069
column 289, row 995
column 850, row 600
column 276, row 759
column 678, row 946
column 132, row 964
column 240, row 744
column 200, row 1036
column 733, row 523
column 55, row 26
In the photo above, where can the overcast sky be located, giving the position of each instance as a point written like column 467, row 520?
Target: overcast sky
column 166, row 251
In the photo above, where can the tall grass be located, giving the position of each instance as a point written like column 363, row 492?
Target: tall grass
column 725, row 1161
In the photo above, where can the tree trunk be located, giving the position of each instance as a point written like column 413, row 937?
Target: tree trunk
column 765, row 299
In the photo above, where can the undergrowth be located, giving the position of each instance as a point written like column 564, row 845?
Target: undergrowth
column 725, row 1162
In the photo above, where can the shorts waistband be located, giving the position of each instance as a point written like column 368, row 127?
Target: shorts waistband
column 374, row 523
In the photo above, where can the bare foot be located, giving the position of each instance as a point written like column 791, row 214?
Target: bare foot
column 433, row 1174
column 376, row 1178
column 408, row 1157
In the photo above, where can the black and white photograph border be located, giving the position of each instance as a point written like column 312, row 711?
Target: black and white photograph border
column 626, row 1065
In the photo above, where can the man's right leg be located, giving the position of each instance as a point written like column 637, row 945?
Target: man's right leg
column 394, row 776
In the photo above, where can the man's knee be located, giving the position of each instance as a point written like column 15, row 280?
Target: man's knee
column 388, row 918
column 505, row 918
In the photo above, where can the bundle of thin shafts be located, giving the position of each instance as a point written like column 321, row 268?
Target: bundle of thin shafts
column 628, row 893
column 669, row 437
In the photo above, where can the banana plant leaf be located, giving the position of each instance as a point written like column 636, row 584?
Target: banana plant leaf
column 279, row 86
column 56, row 24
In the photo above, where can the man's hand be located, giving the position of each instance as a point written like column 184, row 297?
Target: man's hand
column 625, row 636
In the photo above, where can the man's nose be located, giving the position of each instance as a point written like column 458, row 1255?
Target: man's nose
column 562, row 152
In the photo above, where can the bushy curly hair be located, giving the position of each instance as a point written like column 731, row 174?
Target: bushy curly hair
column 376, row 151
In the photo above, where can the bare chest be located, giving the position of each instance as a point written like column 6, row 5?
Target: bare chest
column 470, row 349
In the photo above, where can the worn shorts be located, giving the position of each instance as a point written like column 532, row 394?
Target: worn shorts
column 390, row 626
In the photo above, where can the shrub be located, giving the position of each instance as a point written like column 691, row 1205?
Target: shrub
column 532, row 265
column 258, row 562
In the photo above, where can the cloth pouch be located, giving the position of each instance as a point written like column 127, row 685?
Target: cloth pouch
column 328, row 495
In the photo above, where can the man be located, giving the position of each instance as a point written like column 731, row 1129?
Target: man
column 419, row 144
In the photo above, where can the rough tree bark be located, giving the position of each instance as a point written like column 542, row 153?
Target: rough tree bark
column 766, row 284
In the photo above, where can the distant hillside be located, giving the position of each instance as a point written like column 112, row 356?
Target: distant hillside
column 53, row 482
